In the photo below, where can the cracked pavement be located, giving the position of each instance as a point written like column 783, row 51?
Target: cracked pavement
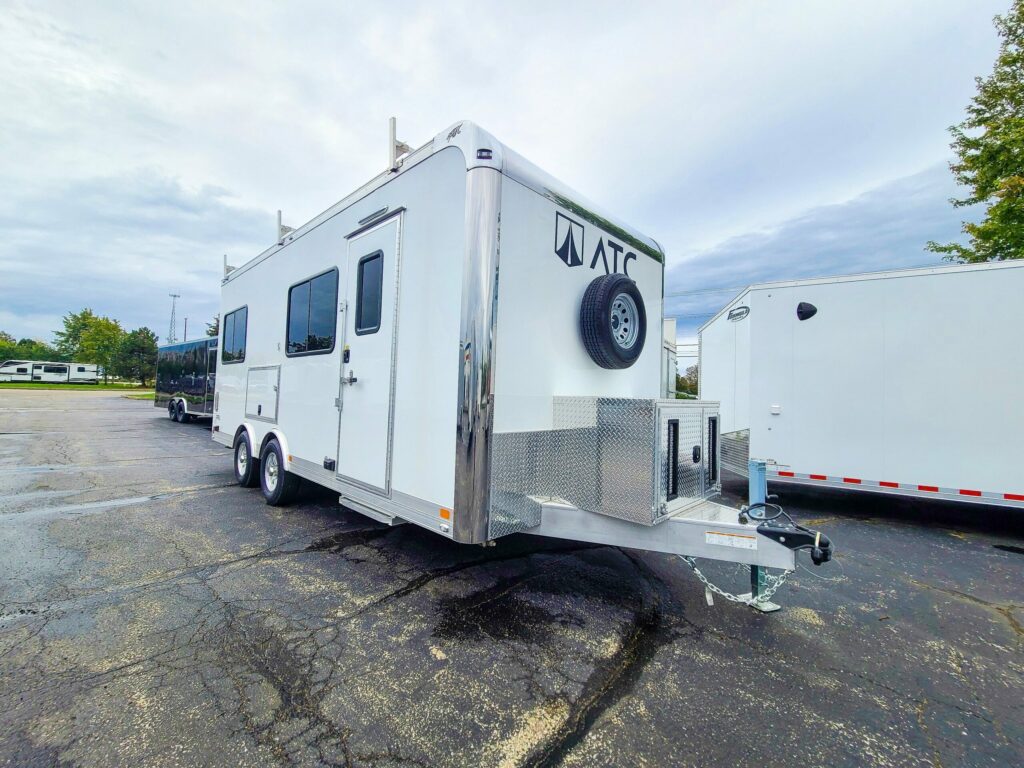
column 153, row 613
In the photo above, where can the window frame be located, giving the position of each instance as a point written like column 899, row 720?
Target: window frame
column 359, row 295
column 224, row 328
column 288, row 314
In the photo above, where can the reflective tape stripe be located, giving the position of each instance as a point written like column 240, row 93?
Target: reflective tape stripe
column 913, row 487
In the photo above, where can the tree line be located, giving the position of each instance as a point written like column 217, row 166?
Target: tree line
column 91, row 338
column 989, row 147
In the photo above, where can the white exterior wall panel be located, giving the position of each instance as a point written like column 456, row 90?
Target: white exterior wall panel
column 539, row 353
column 423, row 450
column 908, row 377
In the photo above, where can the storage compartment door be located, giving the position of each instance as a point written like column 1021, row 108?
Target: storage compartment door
column 261, row 393
column 368, row 358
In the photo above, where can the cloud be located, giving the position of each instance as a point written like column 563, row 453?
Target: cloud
column 120, row 245
column 885, row 228
column 139, row 145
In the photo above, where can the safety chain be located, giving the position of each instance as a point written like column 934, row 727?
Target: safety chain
column 773, row 584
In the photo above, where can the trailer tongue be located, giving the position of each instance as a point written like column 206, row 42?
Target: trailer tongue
column 641, row 474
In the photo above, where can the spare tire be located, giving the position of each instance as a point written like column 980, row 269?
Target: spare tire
column 613, row 321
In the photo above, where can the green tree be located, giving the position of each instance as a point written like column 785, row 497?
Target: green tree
column 135, row 356
column 26, row 349
column 989, row 145
column 213, row 329
column 687, row 383
column 69, row 341
column 99, row 343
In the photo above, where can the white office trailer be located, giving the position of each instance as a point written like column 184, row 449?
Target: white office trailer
column 467, row 345
column 50, row 372
column 903, row 382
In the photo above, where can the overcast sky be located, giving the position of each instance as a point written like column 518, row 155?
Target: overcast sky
column 755, row 141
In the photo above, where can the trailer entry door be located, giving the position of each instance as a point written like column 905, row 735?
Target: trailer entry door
column 368, row 357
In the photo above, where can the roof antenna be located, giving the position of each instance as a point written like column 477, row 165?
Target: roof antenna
column 282, row 229
column 396, row 149
column 228, row 269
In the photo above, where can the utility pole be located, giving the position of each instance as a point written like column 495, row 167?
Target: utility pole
column 171, row 334
column 185, row 338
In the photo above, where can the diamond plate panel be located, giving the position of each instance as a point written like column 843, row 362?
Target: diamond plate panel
column 604, row 455
column 736, row 451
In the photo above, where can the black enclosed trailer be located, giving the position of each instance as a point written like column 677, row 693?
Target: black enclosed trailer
column 186, row 373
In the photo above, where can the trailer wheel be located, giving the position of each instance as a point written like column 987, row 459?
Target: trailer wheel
column 613, row 321
column 172, row 414
column 279, row 487
column 247, row 466
column 179, row 413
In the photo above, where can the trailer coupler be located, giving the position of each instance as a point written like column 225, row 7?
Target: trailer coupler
column 797, row 537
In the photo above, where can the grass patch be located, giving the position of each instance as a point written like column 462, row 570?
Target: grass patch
column 141, row 396
column 112, row 386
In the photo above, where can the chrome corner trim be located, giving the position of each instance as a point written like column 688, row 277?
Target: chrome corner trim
column 479, row 317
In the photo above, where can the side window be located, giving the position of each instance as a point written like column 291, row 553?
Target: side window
column 312, row 313
column 369, row 292
column 233, row 343
column 23, row 370
column 55, row 369
column 81, row 369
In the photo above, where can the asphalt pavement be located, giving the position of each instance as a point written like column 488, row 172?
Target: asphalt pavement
column 153, row 613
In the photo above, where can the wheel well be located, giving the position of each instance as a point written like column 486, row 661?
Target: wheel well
column 266, row 440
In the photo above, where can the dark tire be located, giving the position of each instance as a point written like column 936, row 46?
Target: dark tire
column 247, row 466
column 179, row 413
column 279, row 487
column 172, row 414
column 613, row 321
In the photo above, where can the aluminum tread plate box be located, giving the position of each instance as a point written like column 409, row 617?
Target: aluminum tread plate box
column 603, row 455
column 736, row 451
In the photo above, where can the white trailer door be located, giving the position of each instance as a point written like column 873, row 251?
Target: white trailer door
column 368, row 357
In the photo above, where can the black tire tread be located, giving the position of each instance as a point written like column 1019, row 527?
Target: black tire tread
column 253, row 475
column 288, row 484
column 594, row 330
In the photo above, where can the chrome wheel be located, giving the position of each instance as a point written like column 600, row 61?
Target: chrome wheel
column 271, row 471
column 625, row 321
column 242, row 458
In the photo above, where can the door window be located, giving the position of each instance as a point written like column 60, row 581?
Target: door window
column 369, row 292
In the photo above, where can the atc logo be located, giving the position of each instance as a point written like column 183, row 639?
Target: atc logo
column 568, row 240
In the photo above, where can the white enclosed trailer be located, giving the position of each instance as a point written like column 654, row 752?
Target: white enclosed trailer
column 49, row 372
column 903, row 382
column 466, row 344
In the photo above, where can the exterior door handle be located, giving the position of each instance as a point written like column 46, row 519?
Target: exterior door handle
column 350, row 379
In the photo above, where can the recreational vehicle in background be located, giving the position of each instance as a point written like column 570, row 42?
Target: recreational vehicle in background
column 185, row 376
column 50, row 372
column 903, row 382
column 467, row 345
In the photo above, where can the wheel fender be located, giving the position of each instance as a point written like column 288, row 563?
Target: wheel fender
column 247, row 428
column 279, row 436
